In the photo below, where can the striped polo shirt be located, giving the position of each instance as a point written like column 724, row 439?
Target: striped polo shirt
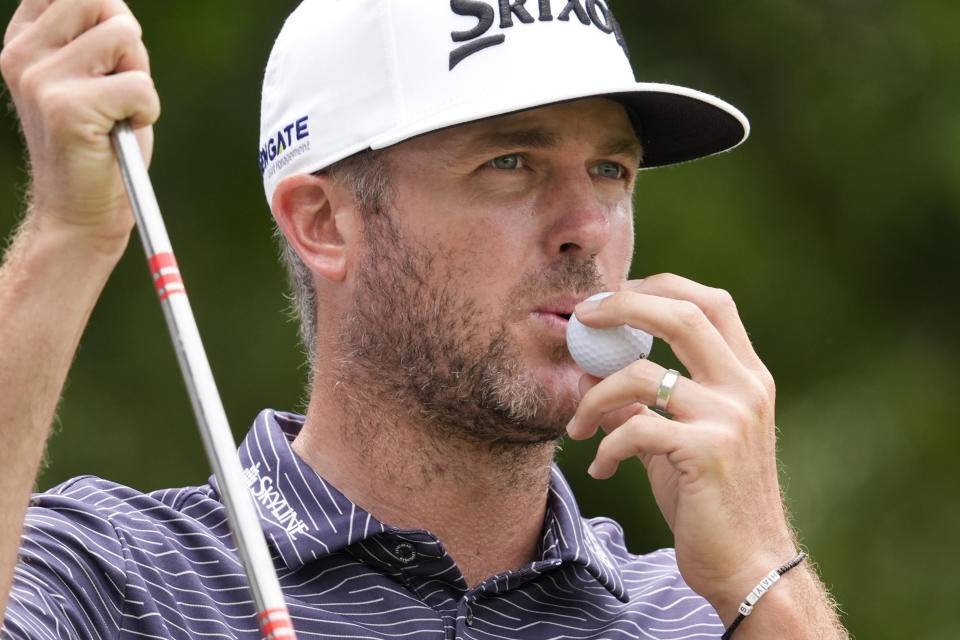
column 100, row 560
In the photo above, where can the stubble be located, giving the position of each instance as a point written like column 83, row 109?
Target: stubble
column 417, row 347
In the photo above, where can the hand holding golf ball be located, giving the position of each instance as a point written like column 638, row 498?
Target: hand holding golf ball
column 601, row 352
column 711, row 460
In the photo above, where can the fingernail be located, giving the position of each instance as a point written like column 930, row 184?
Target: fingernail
column 571, row 426
column 592, row 469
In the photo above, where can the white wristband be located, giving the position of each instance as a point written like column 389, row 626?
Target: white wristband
column 747, row 607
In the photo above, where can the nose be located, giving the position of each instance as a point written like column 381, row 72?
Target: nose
column 580, row 220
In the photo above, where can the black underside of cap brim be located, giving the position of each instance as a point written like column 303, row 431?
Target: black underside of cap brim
column 675, row 128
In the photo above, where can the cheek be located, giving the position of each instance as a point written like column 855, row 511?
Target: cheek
column 491, row 238
column 489, row 257
column 620, row 249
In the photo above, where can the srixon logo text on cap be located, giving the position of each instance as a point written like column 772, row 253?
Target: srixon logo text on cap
column 589, row 12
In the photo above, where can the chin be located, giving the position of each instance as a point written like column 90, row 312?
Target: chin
column 559, row 393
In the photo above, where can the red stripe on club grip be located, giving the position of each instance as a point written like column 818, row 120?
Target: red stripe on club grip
column 275, row 624
column 162, row 261
column 166, row 279
column 165, row 271
column 166, row 294
column 169, row 285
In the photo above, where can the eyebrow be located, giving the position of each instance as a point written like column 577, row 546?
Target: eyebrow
column 624, row 146
column 534, row 138
column 538, row 138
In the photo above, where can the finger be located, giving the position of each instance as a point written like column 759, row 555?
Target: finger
column 64, row 21
column 132, row 95
column 680, row 323
column 610, row 420
column 114, row 46
column 717, row 304
column 23, row 17
column 639, row 383
column 94, row 105
column 642, row 435
column 46, row 38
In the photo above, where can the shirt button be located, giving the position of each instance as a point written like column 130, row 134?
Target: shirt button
column 469, row 616
column 405, row 552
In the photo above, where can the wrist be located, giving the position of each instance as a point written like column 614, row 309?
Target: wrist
column 91, row 224
column 51, row 238
column 750, row 601
column 59, row 263
column 794, row 607
column 728, row 592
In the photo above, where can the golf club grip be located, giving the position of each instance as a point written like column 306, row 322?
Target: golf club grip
column 274, row 619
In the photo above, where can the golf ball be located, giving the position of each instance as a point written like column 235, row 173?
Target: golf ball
column 601, row 352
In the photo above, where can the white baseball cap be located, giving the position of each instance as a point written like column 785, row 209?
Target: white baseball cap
column 349, row 75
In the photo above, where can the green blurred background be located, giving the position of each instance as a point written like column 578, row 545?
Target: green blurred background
column 834, row 227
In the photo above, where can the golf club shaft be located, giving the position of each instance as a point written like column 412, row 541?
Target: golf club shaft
column 211, row 418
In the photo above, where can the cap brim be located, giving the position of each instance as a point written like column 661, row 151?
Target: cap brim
column 677, row 124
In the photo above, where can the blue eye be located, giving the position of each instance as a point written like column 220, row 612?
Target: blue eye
column 506, row 163
column 611, row 170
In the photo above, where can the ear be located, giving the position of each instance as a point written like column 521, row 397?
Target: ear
column 318, row 219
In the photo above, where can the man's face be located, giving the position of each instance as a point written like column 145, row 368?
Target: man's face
column 495, row 231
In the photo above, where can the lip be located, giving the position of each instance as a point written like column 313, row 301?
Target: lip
column 559, row 306
column 556, row 313
column 553, row 321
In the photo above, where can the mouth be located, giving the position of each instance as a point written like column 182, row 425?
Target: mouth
column 554, row 318
column 560, row 307
column 556, row 313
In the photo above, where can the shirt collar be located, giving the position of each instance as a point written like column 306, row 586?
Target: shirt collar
column 571, row 538
column 305, row 518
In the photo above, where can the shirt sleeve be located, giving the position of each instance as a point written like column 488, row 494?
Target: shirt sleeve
column 70, row 579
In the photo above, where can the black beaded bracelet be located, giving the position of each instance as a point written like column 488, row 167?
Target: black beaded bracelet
column 747, row 607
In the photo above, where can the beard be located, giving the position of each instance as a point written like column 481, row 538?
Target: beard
column 414, row 343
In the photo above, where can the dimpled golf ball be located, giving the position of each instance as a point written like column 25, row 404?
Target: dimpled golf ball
column 601, row 352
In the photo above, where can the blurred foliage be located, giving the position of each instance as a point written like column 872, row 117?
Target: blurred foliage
column 834, row 226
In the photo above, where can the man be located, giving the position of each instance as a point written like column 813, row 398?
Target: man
column 475, row 163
